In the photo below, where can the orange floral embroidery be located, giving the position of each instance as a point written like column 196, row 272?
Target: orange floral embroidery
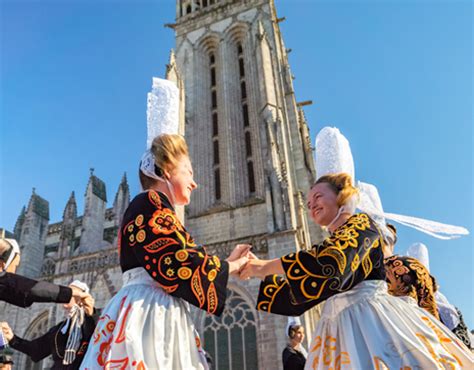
column 104, row 350
column 181, row 255
column 160, row 244
column 196, row 287
column 164, row 222
column 141, row 366
column 117, row 364
column 443, row 340
column 141, row 236
column 121, row 335
column 139, row 220
column 212, row 300
column 379, row 364
column 154, row 199
column 328, row 350
column 184, row 273
column 110, row 326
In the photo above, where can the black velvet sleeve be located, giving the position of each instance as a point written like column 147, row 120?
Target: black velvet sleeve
column 154, row 235
column 38, row 348
column 23, row 292
column 352, row 254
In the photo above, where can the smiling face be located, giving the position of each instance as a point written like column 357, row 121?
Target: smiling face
column 181, row 178
column 322, row 204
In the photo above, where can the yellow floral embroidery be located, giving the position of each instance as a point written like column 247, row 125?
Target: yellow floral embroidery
column 270, row 292
column 345, row 237
column 170, row 272
column 355, row 263
column 212, row 275
column 217, row 261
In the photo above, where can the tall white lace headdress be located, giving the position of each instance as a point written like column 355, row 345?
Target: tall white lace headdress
column 333, row 155
column 162, row 118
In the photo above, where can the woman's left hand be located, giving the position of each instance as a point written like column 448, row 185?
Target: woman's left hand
column 88, row 304
column 261, row 268
column 254, row 268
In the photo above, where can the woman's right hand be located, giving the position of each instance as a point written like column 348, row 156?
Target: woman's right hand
column 237, row 265
column 7, row 331
column 240, row 250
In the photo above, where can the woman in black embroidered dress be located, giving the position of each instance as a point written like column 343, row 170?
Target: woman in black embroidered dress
column 361, row 324
column 147, row 325
column 408, row 276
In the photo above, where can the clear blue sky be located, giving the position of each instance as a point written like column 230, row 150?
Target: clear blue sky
column 395, row 76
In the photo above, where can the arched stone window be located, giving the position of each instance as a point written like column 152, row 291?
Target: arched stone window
column 215, row 126
column 231, row 339
column 36, row 329
column 246, row 120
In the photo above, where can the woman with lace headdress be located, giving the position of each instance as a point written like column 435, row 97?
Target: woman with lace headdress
column 408, row 277
column 361, row 325
column 148, row 324
column 449, row 314
column 294, row 355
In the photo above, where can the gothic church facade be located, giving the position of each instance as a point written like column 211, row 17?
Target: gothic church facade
column 252, row 157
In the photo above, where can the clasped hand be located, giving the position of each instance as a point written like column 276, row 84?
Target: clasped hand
column 244, row 264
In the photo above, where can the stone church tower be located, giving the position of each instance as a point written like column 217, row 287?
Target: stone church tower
column 250, row 147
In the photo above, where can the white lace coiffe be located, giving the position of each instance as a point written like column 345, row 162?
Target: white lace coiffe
column 333, row 155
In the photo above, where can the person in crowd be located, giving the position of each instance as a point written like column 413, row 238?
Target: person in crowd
column 294, row 355
column 147, row 324
column 22, row 291
column 360, row 321
column 67, row 341
column 408, row 277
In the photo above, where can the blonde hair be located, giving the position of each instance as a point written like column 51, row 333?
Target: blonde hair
column 341, row 184
column 167, row 149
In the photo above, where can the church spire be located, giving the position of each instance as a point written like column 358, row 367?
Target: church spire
column 66, row 239
column 32, row 234
column 94, row 215
column 122, row 199
column 70, row 211
column 19, row 223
